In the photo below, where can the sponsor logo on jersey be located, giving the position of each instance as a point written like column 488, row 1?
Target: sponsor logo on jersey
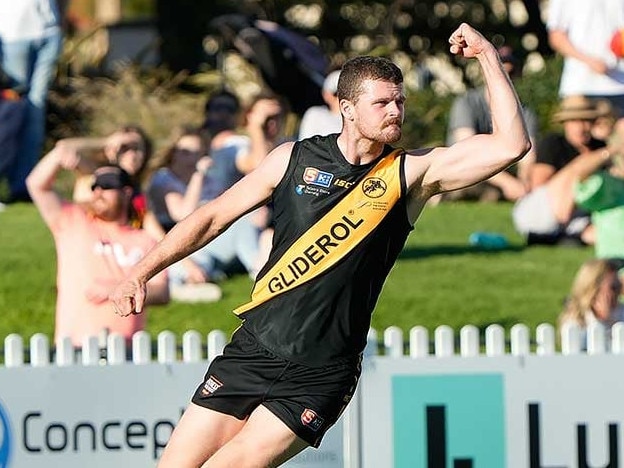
column 342, row 183
column 311, row 255
column 302, row 189
column 313, row 176
column 374, row 187
column 311, row 419
column 211, row 385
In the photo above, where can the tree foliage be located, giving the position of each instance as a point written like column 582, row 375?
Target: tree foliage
column 410, row 31
column 415, row 28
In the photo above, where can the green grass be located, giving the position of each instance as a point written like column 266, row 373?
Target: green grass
column 439, row 279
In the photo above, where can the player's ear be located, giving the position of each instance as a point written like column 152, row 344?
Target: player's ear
column 346, row 107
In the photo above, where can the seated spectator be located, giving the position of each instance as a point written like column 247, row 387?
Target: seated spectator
column 236, row 153
column 176, row 188
column 130, row 148
column 605, row 124
column 188, row 177
column 594, row 298
column 601, row 193
column 264, row 123
column 95, row 247
column 576, row 115
column 323, row 120
column 547, row 213
column 470, row 115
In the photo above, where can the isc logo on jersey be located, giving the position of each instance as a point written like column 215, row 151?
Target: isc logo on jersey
column 313, row 176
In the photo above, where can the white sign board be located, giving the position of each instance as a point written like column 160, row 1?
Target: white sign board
column 105, row 416
column 514, row 412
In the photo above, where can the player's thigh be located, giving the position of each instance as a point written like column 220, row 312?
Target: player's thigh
column 197, row 436
column 264, row 441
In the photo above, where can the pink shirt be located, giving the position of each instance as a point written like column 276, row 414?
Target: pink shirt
column 92, row 256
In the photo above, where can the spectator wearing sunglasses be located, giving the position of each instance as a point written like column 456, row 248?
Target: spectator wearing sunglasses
column 128, row 146
column 182, row 180
column 194, row 170
column 95, row 246
column 179, row 183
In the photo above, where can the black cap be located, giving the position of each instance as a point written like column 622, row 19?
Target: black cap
column 111, row 177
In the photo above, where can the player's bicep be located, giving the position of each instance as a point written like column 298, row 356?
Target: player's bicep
column 463, row 164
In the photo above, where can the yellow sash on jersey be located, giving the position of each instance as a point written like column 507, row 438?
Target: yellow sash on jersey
column 335, row 234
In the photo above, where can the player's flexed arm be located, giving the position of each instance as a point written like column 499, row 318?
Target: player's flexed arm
column 479, row 157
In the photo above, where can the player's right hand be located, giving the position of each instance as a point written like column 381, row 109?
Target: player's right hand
column 128, row 297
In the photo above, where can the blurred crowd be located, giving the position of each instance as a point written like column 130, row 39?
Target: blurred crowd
column 128, row 192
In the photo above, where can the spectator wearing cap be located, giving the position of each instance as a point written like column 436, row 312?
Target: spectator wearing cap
column 323, row 120
column 470, row 115
column 95, row 247
column 547, row 214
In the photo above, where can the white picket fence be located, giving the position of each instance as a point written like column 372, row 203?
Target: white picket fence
column 40, row 351
column 42, row 388
column 393, row 343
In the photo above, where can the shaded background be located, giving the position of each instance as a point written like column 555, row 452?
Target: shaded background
column 121, row 54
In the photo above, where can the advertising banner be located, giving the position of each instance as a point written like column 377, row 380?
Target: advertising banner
column 515, row 412
column 103, row 416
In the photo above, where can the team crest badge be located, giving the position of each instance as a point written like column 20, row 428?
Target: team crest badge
column 211, row 385
column 374, row 187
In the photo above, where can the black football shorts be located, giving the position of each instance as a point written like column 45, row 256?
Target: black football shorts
column 309, row 400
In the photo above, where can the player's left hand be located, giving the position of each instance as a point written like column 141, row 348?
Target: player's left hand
column 467, row 41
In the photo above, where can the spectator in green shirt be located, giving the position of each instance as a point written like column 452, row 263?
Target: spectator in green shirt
column 602, row 194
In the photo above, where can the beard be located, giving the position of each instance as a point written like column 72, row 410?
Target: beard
column 106, row 210
column 391, row 132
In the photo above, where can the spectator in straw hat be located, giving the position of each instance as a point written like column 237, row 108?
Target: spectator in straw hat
column 576, row 114
column 547, row 214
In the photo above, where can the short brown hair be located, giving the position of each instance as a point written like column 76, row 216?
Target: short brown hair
column 359, row 69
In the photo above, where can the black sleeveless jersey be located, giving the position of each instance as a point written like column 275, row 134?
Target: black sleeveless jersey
column 327, row 318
